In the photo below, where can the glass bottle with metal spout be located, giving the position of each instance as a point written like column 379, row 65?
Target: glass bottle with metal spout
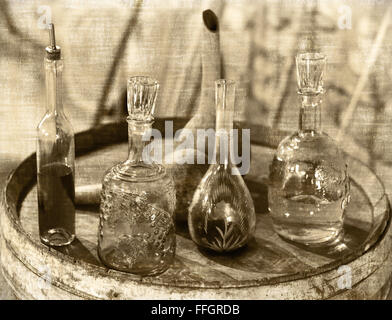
column 55, row 159
column 138, row 199
column 222, row 215
column 309, row 182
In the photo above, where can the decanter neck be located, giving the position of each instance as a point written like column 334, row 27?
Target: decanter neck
column 223, row 136
column 138, row 131
column 54, row 97
column 310, row 113
column 224, row 100
column 139, row 166
column 310, row 74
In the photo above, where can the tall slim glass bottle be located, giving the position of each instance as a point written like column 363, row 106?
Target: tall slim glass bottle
column 138, row 199
column 222, row 215
column 309, row 183
column 55, row 159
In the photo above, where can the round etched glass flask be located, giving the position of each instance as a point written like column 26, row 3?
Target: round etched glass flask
column 222, row 215
column 136, row 229
column 309, row 183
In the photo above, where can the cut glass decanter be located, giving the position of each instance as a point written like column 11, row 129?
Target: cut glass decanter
column 136, row 230
column 222, row 215
column 309, row 182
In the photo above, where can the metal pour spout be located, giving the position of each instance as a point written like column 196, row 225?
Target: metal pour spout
column 53, row 52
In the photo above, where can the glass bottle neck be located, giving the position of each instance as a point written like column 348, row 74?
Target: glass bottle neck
column 223, row 136
column 54, row 98
column 224, row 100
column 137, row 141
column 310, row 114
column 139, row 165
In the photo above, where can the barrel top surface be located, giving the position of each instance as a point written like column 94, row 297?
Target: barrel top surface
column 266, row 260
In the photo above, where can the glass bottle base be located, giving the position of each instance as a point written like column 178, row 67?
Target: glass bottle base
column 109, row 258
column 314, row 235
column 57, row 237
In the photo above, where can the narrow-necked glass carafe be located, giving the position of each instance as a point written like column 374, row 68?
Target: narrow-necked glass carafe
column 222, row 215
column 309, row 183
column 55, row 159
column 136, row 230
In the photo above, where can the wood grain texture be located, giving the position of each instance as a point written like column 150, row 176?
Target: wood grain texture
column 6, row 292
column 268, row 268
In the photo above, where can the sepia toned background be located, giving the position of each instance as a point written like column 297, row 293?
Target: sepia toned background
column 104, row 42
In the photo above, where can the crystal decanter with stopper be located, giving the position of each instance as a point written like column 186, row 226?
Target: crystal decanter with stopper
column 55, row 158
column 222, row 215
column 136, row 230
column 309, row 183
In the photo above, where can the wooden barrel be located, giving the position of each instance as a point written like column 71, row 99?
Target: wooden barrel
column 268, row 268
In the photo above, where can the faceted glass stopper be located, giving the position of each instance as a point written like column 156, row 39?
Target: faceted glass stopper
column 310, row 72
column 142, row 93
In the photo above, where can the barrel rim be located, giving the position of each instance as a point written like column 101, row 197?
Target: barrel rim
column 13, row 217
